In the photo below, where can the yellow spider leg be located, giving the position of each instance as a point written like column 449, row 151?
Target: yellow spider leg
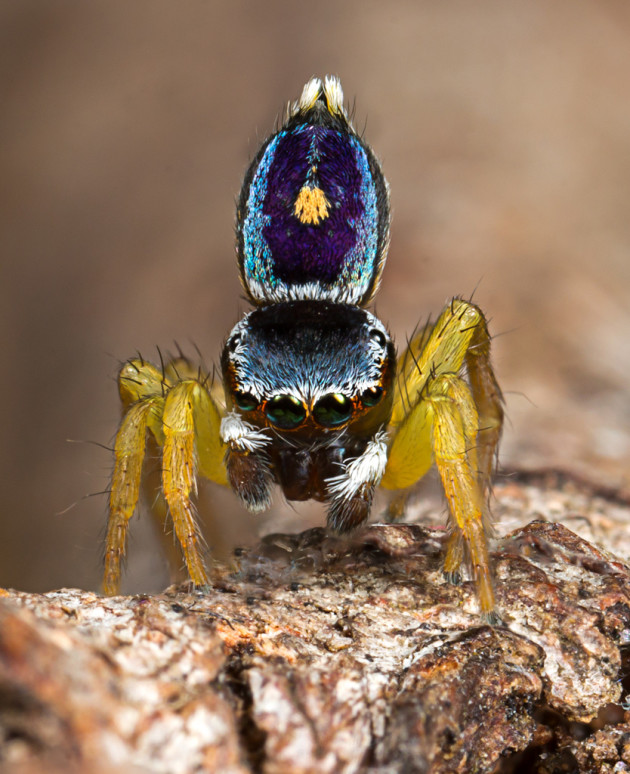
column 207, row 418
column 459, row 336
column 210, row 455
column 452, row 447
column 138, row 380
column 210, row 448
column 186, row 424
column 439, row 349
column 488, row 399
column 179, row 467
column 217, row 393
column 443, row 426
column 438, row 416
column 410, row 452
column 407, row 386
column 129, row 455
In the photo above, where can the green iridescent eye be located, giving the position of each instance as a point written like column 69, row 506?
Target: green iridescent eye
column 285, row 411
column 371, row 396
column 245, row 401
column 332, row 410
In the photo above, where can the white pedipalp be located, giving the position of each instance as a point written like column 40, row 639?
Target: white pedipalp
column 367, row 469
column 239, row 434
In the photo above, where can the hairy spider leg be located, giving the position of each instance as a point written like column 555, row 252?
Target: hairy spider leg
column 184, row 420
column 488, row 400
column 125, row 488
column 440, row 417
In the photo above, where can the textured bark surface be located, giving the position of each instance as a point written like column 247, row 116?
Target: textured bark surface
column 321, row 654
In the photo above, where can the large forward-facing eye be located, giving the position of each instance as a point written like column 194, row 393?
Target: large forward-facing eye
column 285, row 411
column 332, row 410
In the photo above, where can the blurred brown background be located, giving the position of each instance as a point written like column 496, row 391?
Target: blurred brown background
column 503, row 128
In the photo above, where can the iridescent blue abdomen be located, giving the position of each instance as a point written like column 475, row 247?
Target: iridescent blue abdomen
column 313, row 215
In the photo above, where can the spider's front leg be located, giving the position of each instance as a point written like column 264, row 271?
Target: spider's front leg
column 438, row 416
column 176, row 407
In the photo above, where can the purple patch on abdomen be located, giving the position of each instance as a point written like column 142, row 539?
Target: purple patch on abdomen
column 309, row 252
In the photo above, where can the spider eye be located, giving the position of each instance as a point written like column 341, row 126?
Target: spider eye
column 371, row 396
column 245, row 401
column 332, row 410
column 378, row 337
column 285, row 411
column 234, row 342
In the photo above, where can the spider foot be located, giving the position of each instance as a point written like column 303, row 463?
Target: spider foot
column 492, row 618
column 453, row 577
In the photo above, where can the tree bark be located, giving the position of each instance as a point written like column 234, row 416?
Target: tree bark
column 316, row 653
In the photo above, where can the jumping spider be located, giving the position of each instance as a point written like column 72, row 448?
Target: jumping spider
column 315, row 399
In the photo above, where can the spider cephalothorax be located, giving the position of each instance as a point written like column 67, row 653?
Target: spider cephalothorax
column 315, row 401
column 316, row 378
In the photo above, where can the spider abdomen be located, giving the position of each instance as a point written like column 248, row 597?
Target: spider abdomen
column 313, row 214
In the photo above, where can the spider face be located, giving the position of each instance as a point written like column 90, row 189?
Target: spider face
column 316, row 378
column 316, row 403
column 310, row 368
